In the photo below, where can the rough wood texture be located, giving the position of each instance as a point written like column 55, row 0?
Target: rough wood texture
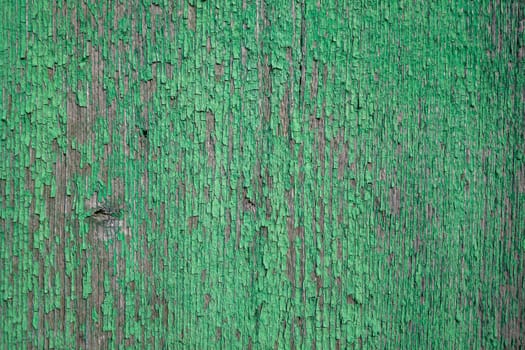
column 262, row 174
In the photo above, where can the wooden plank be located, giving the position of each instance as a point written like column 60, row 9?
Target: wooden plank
column 262, row 174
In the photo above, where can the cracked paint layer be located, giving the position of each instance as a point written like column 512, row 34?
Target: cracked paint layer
column 262, row 174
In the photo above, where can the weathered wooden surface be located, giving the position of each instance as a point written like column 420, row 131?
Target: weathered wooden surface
column 262, row 174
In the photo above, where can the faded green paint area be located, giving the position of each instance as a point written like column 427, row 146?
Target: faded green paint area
column 257, row 174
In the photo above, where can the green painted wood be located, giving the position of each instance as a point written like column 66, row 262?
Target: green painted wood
column 262, row 174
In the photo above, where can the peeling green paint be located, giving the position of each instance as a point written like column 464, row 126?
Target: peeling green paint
column 262, row 174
